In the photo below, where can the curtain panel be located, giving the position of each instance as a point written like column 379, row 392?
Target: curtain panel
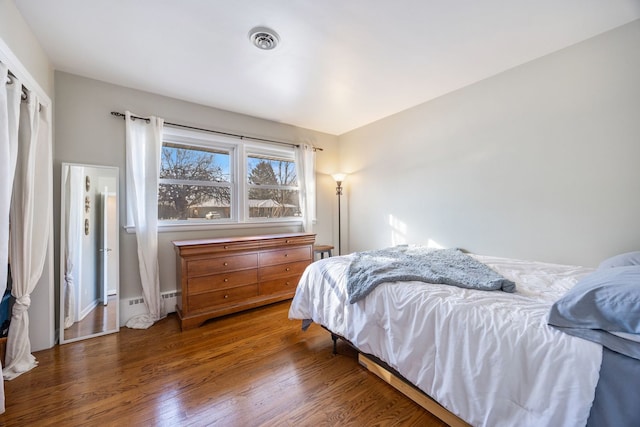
column 72, row 178
column 143, row 152
column 9, row 113
column 31, row 217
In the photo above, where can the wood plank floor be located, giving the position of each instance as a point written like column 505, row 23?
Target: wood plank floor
column 255, row 368
column 101, row 318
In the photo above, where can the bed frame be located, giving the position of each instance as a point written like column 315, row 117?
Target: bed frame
column 397, row 381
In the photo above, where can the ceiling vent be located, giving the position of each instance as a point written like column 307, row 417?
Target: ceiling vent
column 264, row 38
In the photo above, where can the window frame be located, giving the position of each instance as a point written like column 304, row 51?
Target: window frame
column 229, row 149
column 239, row 150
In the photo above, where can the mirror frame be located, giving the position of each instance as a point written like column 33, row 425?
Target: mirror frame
column 113, row 171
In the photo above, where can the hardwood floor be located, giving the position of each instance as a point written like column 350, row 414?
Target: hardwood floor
column 255, row 368
column 101, row 318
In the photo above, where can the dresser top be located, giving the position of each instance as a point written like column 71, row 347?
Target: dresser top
column 198, row 242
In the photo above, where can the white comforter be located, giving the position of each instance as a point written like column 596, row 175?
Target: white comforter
column 488, row 357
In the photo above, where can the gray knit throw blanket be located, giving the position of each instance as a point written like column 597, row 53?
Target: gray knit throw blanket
column 403, row 263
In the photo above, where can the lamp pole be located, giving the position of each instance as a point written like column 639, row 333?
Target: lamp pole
column 339, row 177
column 339, row 194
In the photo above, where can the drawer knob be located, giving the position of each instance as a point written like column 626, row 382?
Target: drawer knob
column 287, row 269
column 226, row 296
column 288, row 241
column 226, row 279
column 288, row 283
column 225, row 264
column 226, row 247
column 286, row 255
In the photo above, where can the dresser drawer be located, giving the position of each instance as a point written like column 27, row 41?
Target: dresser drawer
column 282, row 270
column 214, row 299
column 279, row 286
column 285, row 255
column 221, row 281
column 221, row 264
column 282, row 242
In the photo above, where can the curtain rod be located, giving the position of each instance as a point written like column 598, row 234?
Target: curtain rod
column 291, row 144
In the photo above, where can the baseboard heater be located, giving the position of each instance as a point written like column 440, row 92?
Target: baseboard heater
column 133, row 306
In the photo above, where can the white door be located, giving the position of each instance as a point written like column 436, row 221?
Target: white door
column 107, row 239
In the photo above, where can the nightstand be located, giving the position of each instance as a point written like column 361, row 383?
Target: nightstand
column 322, row 250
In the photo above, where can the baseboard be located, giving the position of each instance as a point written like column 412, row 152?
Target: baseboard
column 130, row 307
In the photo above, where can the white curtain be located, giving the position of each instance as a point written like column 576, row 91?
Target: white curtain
column 73, row 181
column 144, row 148
column 306, row 165
column 9, row 114
column 31, row 213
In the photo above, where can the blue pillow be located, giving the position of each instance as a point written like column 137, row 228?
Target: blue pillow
column 622, row 260
column 602, row 302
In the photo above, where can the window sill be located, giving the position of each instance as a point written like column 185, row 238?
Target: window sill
column 199, row 226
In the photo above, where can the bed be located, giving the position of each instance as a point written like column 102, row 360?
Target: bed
column 490, row 358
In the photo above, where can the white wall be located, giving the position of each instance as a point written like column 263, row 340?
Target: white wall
column 16, row 34
column 20, row 49
column 539, row 162
column 87, row 133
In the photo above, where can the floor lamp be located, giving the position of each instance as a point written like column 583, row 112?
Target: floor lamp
column 339, row 177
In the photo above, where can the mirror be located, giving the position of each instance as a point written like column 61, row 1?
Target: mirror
column 89, row 251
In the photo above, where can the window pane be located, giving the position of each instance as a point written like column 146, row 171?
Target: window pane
column 272, row 201
column 192, row 201
column 270, row 171
column 194, row 163
column 177, row 201
column 265, row 203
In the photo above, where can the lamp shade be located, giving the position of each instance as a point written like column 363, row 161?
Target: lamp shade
column 339, row 177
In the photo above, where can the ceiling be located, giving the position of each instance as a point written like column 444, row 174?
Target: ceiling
column 341, row 64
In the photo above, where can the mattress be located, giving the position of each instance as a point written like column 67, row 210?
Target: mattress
column 489, row 357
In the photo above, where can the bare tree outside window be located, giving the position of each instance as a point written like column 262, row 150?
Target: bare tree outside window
column 194, row 183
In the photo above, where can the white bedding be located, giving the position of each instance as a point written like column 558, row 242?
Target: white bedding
column 488, row 357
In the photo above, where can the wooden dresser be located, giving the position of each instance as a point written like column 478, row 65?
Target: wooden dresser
column 222, row 276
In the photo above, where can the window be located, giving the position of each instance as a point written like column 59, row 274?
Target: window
column 194, row 183
column 272, row 187
column 210, row 179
